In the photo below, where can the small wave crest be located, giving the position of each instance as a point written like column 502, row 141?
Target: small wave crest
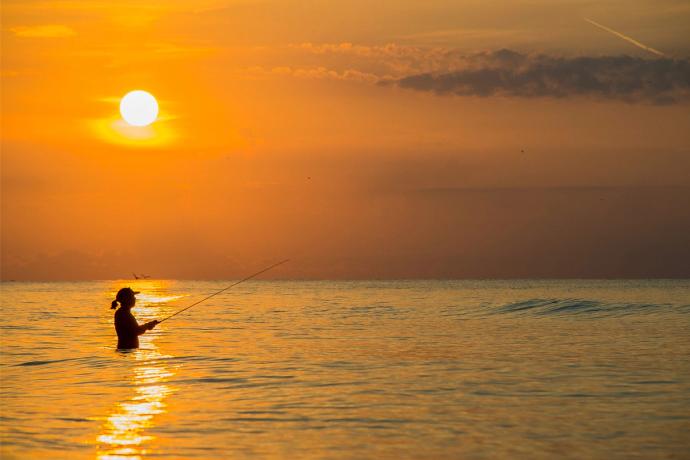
column 583, row 307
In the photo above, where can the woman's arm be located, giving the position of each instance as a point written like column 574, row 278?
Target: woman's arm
column 146, row 327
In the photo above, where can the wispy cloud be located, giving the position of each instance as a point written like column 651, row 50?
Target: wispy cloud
column 44, row 31
column 390, row 49
column 512, row 74
column 325, row 73
column 450, row 36
column 311, row 73
column 395, row 58
column 626, row 38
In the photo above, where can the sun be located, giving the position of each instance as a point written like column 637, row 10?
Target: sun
column 139, row 108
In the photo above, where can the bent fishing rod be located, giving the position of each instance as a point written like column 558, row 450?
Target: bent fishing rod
column 225, row 289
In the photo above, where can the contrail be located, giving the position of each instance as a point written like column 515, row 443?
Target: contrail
column 627, row 39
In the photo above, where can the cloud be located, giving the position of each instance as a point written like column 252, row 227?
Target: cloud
column 458, row 35
column 394, row 58
column 325, row 73
column 311, row 73
column 511, row 74
column 44, row 31
column 390, row 49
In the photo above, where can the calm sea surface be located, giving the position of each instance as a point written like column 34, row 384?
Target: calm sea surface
column 331, row 370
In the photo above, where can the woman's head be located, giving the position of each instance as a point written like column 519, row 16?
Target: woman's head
column 125, row 297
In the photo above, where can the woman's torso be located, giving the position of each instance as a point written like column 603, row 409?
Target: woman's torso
column 126, row 327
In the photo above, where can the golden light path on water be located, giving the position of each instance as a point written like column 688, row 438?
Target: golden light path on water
column 124, row 434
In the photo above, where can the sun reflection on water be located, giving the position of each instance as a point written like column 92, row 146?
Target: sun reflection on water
column 124, row 434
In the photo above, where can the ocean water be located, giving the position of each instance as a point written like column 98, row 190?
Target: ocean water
column 349, row 370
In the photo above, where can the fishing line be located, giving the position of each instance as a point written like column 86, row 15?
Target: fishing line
column 225, row 289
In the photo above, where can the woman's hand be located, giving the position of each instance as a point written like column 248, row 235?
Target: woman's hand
column 151, row 324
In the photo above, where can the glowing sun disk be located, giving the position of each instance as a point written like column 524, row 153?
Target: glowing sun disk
column 139, row 108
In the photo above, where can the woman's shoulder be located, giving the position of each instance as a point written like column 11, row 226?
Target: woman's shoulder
column 123, row 312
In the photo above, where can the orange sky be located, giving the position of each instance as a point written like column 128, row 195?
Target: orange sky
column 360, row 140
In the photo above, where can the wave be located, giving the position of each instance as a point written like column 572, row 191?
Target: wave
column 582, row 307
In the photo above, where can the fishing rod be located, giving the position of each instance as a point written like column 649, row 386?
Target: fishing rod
column 225, row 289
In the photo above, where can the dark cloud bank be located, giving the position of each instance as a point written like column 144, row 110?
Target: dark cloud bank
column 512, row 74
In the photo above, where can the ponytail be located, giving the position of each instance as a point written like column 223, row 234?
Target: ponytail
column 113, row 305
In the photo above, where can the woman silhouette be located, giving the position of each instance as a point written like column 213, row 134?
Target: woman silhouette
column 126, row 326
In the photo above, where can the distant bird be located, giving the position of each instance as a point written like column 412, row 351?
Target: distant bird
column 135, row 276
